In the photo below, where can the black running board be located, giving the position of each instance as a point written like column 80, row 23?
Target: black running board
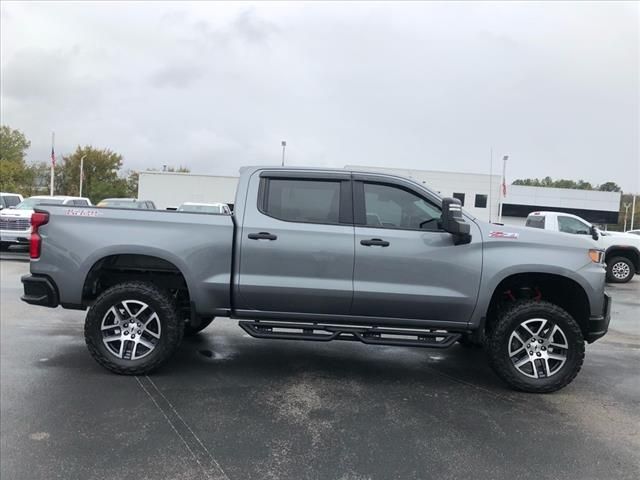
column 370, row 335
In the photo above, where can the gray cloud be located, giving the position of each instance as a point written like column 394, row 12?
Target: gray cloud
column 421, row 85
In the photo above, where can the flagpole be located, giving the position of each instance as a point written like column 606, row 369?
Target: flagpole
column 490, row 179
column 53, row 160
column 503, row 186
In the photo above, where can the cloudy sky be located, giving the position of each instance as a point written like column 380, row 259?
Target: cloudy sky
column 416, row 85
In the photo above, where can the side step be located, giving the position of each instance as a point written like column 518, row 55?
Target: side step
column 370, row 335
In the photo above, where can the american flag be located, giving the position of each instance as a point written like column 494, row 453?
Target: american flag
column 504, row 188
column 53, row 157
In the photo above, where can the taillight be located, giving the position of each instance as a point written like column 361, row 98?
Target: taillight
column 35, row 242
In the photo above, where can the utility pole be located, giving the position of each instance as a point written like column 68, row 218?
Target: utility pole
column 284, row 145
column 633, row 210
column 503, row 189
column 81, row 172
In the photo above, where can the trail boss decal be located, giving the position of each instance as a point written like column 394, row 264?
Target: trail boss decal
column 82, row 212
column 511, row 235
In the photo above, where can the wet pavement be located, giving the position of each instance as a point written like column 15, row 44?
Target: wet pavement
column 232, row 407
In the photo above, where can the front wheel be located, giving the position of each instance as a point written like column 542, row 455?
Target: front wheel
column 536, row 347
column 133, row 328
column 620, row 270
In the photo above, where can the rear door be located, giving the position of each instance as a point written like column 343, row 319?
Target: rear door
column 296, row 244
column 406, row 266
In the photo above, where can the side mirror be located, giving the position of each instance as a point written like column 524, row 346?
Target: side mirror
column 453, row 221
column 594, row 233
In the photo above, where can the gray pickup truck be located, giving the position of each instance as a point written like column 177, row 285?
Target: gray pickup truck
column 315, row 254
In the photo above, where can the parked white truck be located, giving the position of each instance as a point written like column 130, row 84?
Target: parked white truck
column 622, row 250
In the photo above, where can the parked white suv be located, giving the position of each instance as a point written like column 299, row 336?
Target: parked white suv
column 15, row 221
column 622, row 250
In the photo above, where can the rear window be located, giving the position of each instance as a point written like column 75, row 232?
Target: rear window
column 535, row 221
column 10, row 200
column 308, row 201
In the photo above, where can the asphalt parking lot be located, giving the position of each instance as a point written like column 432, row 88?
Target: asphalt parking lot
column 232, row 407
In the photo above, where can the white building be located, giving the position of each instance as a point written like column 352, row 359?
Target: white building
column 594, row 206
column 479, row 193
column 171, row 189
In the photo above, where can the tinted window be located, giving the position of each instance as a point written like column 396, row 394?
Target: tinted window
column 31, row 203
column 572, row 225
column 459, row 196
column 10, row 200
column 393, row 207
column 80, row 203
column 536, row 221
column 481, row 201
column 303, row 200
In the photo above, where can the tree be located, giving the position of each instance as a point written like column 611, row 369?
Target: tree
column 13, row 169
column 609, row 187
column 565, row 183
column 101, row 174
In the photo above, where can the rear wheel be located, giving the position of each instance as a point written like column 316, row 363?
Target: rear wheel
column 536, row 347
column 620, row 270
column 133, row 328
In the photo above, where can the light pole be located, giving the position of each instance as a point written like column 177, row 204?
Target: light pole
column 284, row 145
column 81, row 172
column 503, row 187
column 633, row 210
column 626, row 213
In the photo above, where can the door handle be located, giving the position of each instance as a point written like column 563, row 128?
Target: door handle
column 262, row 236
column 375, row 242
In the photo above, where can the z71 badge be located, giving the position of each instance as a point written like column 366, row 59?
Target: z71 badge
column 511, row 235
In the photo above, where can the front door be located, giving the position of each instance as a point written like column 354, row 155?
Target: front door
column 297, row 245
column 406, row 266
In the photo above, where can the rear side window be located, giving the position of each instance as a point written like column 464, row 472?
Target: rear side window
column 308, row 201
column 536, row 221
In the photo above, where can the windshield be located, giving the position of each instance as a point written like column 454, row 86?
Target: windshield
column 201, row 208
column 30, row 203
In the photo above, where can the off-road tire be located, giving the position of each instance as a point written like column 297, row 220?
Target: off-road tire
column 611, row 263
column 190, row 331
column 497, row 346
column 170, row 337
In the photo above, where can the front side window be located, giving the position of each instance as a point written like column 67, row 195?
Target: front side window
column 297, row 200
column 572, row 225
column 393, row 207
column 481, row 201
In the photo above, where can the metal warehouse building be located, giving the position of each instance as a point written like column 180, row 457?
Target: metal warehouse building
column 478, row 192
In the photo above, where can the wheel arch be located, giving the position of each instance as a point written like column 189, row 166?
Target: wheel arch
column 116, row 266
column 556, row 288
